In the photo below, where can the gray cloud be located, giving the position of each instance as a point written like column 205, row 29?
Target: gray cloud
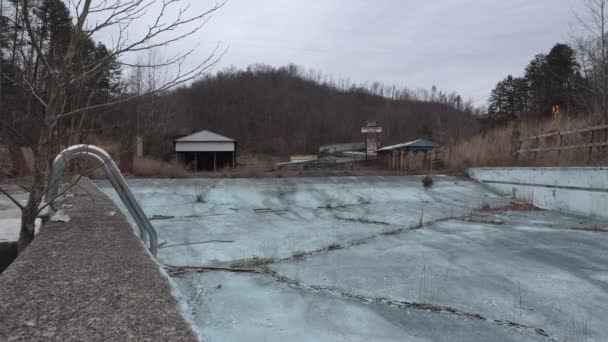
column 461, row 45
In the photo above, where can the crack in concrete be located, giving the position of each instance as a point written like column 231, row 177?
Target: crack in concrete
column 175, row 271
column 256, row 267
column 591, row 229
column 403, row 304
column 361, row 202
column 336, row 246
column 360, row 220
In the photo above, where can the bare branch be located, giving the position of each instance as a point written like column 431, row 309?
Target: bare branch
column 10, row 197
column 179, row 79
column 28, row 25
column 16, row 133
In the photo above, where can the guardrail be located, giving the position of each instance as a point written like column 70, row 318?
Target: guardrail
column 593, row 138
column 116, row 179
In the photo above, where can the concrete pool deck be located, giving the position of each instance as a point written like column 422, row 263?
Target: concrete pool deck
column 90, row 279
column 376, row 258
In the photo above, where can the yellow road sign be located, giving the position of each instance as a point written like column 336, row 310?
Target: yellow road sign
column 555, row 109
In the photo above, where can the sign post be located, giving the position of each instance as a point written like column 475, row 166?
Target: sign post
column 555, row 111
column 371, row 130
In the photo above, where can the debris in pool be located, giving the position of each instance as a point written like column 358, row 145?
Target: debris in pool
column 60, row 216
column 193, row 243
column 483, row 220
column 253, row 262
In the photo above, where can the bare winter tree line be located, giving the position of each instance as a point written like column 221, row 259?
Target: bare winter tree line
column 56, row 79
column 289, row 110
column 592, row 50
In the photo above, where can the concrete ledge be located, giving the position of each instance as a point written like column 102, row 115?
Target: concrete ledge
column 578, row 190
column 90, row 279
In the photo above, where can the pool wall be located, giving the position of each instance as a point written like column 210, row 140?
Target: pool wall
column 577, row 190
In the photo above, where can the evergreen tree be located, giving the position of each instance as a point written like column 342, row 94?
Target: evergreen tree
column 508, row 99
column 561, row 71
column 535, row 78
column 552, row 79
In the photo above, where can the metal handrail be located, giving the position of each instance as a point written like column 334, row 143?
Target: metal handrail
column 116, row 179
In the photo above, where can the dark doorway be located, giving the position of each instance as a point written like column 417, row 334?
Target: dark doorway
column 206, row 161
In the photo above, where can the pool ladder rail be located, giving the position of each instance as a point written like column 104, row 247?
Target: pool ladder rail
column 146, row 230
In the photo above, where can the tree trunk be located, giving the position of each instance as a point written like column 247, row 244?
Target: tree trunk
column 40, row 171
column 28, row 226
column 30, row 211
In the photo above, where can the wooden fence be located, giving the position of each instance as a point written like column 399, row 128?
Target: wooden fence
column 585, row 138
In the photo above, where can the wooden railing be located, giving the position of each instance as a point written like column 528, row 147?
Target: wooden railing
column 592, row 136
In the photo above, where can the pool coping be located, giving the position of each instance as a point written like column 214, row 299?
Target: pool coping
column 89, row 279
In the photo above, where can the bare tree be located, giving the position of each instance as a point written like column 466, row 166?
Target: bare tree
column 172, row 21
column 593, row 54
column 153, row 112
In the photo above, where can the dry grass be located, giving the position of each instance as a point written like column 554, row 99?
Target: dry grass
column 497, row 147
column 199, row 195
column 148, row 167
column 253, row 167
column 249, row 166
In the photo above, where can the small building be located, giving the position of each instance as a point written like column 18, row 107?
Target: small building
column 411, row 155
column 206, row 151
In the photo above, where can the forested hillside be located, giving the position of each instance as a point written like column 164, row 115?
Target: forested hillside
column 282, row 110
column 100, row 97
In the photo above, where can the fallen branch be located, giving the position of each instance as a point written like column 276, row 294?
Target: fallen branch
column 161, row 217
column 269, row 210
column 482, row 220
column 196, row 243
column 591, row 229
column 179, row 270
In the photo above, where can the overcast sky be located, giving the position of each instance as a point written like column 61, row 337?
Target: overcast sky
column 461, row 45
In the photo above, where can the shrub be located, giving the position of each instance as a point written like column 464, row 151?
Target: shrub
column 148, row 167
column 427, row 182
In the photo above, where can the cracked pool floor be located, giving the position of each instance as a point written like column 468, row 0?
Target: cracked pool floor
column 376, row 259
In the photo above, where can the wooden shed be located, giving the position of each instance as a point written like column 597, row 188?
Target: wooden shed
column 411, row 155
column 206, row 150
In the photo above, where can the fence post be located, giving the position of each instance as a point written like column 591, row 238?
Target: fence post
column 449, row 154
column 517, row 149
column 603, row 149
column 590, row 147
column 559, row 150
column 537, row 146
